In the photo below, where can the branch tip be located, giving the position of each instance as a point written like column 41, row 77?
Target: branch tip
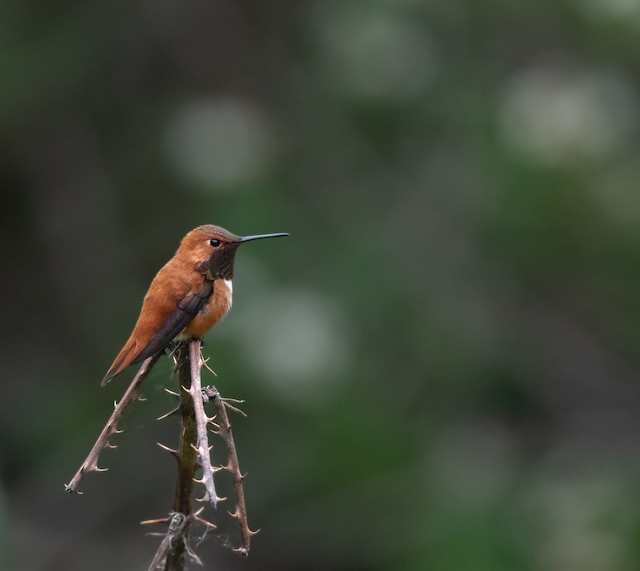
column 72, row 488
column 110, row 428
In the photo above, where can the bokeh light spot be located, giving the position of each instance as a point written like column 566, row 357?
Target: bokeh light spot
column 554, row 117
column 221, row 143
column 372, row 53
column 299, row 345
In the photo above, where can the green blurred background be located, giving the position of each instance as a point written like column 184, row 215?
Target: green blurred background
column 440, row 365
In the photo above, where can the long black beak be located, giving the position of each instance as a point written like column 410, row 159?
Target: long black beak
column 260, row 236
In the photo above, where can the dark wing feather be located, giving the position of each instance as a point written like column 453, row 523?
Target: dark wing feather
column 186, row 310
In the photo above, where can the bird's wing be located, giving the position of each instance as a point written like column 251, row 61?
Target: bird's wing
column 187, row 308
column 146, row 341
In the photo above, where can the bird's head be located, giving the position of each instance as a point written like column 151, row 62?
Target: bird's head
column 212, row 249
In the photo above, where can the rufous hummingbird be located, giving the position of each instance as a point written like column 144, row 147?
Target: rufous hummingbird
column 188, row 296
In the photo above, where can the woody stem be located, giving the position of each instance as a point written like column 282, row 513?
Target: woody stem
column 111, row 428
column 187, row 458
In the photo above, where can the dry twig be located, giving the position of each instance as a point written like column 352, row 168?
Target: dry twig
column 202, row 420
column 187, row 465
column 233, row 467
column 111, row 428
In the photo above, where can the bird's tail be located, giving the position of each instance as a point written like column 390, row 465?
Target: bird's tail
column 127, row 356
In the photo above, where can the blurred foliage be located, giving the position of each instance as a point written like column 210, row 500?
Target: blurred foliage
column 440, row 364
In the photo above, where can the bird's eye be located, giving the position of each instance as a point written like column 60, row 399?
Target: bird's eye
column 214, row 242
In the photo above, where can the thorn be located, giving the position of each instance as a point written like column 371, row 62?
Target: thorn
column 235, row 514
column 171, row 451
column 198, row 512
column 218, row 468
column 172, row 393
column 118, row 431
column 142, row 399
column 155, row 521
column 204, row 522
column 209, row 368
column 96, row 469
column 235, row 409
column 194, row 447
column 173, row 412
column 203, row 498
column 109, row 445
column 115, row 404
column 242, row 550
column 210, row 419
column 198, row 480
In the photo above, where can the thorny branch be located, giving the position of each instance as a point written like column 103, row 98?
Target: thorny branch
column 193, row 453
column 187, row 458
column 111, row 428
column 233, row 467
column 202, row 420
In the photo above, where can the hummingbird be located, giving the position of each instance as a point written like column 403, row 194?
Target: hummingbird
column 188, row 296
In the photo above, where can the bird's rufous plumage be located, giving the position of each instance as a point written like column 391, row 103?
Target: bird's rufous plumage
column 187, row 297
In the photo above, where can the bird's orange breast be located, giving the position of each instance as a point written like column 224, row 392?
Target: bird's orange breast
column 216, row 308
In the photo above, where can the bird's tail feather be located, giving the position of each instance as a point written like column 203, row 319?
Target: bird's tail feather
column 122, row 361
